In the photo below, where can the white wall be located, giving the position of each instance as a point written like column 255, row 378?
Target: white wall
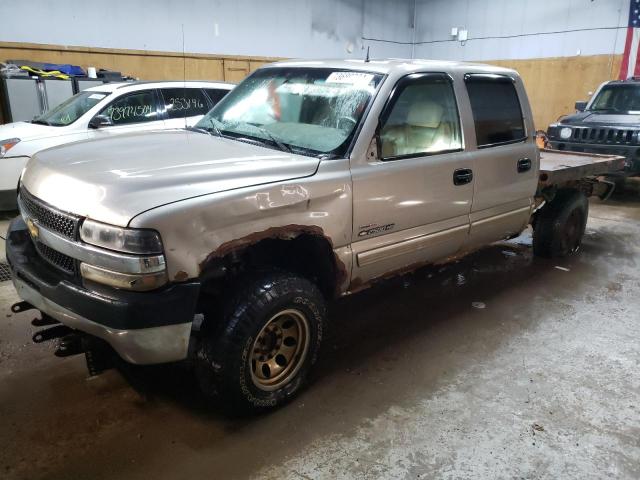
column 520, row 19
column 280, row 28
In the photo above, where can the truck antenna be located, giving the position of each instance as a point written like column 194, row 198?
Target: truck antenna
column 184, row 76
column 366, row 60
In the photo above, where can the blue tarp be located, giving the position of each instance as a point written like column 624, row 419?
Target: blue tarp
column 73, row 70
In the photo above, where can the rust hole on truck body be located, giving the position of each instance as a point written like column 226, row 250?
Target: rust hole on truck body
column 290, row 232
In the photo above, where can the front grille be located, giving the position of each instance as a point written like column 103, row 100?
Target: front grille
column 61, row 222
column 57, row 259
column 606, row 136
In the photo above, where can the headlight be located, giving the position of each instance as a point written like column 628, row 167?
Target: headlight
column 565, row 133
column 127, row 240
column 6, row 145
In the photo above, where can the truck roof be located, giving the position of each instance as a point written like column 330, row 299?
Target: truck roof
column 395, row 65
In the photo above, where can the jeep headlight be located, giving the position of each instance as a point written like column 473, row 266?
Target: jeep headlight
column 128, row 240
column 565, row 133
column 8, row 144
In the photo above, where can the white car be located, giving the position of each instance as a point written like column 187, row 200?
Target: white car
column 99, row 112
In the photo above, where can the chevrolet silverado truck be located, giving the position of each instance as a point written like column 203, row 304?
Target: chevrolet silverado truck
column 220, row 245
column 609, row 123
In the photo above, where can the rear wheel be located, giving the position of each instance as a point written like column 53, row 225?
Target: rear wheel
column 559, row 226
column 261, row 355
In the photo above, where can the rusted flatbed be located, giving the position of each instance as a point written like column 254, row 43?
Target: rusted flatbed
column 559, row 168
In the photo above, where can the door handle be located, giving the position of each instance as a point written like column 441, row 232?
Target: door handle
column 524, row 165
column 462, row 176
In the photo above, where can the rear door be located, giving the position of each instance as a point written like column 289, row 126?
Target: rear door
column 505, row 157
column 183, row 106
column 412, row 204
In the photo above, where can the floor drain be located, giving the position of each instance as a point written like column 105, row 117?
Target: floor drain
column 5, row 272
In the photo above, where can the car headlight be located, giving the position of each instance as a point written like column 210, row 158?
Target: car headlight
column 126, row 240
column 8, row 144
column 565, row 133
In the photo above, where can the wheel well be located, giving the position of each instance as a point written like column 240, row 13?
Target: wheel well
column 308, row 255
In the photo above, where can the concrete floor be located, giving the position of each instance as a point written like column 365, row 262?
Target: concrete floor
column 498, row 366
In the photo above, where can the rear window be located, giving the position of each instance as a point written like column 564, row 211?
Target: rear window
column 496, row 109
column 184, row 102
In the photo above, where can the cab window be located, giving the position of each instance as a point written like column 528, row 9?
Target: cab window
column 496, row 109
column 132, row 108
column 184, row 102
column 422, row 118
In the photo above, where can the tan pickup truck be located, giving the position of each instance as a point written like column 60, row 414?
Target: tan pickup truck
column 220, row 245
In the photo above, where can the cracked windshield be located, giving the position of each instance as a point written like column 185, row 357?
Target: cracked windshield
column 312, row 111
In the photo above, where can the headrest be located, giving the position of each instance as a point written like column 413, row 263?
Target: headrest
column 425, row 114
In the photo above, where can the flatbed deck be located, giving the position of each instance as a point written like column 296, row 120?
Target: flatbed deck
column 558, row 168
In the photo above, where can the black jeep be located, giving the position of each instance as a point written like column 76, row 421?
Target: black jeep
column 609, row 124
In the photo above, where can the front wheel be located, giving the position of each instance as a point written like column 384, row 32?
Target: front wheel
column 560, row 225
column 268, row 342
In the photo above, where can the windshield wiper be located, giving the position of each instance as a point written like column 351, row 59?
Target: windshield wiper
column 40, row 122
column 199, row 130
column 282, row 146
column 215, row 127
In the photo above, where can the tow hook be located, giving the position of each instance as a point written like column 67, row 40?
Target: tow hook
column 70, row 344
column 21, row 307
column 45, row 321
column 47, row 334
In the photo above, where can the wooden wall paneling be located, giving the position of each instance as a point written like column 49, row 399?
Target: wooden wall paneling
column 235, row 70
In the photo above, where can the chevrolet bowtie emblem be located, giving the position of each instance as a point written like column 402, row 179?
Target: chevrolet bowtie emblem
column 33, row 228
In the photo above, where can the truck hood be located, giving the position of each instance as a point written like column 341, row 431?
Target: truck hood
column 605, row 119
column 112, row 180
column 26, row 131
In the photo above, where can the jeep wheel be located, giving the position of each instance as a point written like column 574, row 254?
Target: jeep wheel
column 560, row 225
column 270, row 338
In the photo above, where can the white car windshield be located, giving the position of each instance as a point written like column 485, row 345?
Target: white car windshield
column 71, row 109
column 312, row 111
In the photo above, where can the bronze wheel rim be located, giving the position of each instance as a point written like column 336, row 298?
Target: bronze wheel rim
column 279, row 350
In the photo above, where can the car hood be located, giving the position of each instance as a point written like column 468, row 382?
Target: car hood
column 113, row 180
column 26, row 131
column 605, row 119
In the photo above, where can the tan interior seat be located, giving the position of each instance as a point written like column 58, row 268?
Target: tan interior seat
column 424, row 131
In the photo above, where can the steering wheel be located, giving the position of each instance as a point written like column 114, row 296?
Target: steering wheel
column 343, row 119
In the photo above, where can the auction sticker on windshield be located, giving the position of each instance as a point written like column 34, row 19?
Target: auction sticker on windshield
column 352, row 78
column 97, row 96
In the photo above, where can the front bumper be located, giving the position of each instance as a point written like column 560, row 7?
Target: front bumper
column 142, row 327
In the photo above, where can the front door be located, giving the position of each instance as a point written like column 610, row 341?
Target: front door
column 412, row 203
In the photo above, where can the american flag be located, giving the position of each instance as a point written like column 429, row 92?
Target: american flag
column 630, row 65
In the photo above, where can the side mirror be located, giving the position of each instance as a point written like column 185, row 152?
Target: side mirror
column 373, row 152
column 580, row 106
column 100, row 121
